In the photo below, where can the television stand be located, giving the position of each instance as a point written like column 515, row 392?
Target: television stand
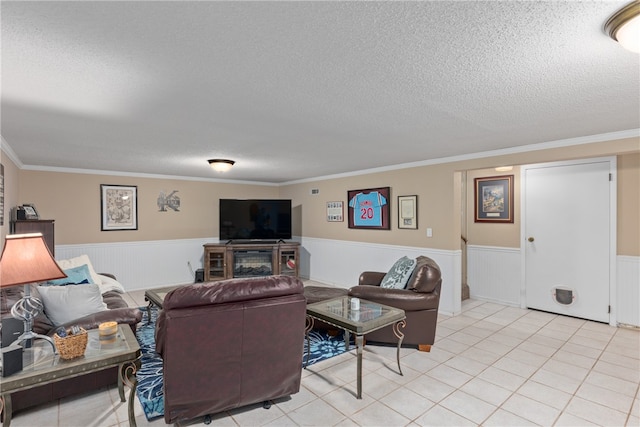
column 250, row 259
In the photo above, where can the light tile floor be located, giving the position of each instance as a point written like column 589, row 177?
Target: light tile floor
column 493, row 365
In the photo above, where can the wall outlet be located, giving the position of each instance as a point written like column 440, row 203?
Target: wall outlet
column 429, row 232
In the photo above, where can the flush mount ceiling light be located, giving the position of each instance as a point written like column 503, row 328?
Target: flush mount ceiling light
column 624, row 26
column 504, row 168
column 221, row 165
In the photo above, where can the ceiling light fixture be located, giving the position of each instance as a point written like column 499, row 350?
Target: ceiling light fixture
column 221, row 165
column 504, row 168
column 624, row 26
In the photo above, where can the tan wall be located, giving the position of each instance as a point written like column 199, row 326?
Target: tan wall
column 73, row 200
column 629, row 204
column 628, row 208
column 628, row 194
column 433, row 185
column 10, row 193
column 438, row 188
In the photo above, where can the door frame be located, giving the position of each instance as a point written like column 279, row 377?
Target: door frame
column 613, row 209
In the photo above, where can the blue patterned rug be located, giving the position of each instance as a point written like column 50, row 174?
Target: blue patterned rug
column 149, row 390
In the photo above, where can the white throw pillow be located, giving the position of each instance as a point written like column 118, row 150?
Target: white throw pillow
column 66, row 264
column 63, row 304
column 399, row 274
column 109, row 284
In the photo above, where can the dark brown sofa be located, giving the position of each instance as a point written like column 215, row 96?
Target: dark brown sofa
column 419, row 300
column 229, row 344
column 118, row 311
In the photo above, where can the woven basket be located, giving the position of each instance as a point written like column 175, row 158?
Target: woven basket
column 71, row 346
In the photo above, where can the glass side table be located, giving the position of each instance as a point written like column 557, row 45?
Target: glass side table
column 370, row 317
column 41, row 366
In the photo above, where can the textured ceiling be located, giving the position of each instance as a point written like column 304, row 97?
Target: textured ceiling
column 294, row 90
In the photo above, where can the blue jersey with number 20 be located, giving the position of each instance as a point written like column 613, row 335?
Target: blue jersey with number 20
column 367, row 209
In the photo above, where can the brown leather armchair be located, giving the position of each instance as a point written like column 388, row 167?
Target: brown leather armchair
column 419, row 300
column 229, row 344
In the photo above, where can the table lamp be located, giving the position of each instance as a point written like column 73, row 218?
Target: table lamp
column 26, row 259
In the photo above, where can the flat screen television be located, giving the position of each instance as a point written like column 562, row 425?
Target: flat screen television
column 255, row 219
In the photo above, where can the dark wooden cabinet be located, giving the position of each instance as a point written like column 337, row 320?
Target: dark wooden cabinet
column 44, row 226
column 225, row 261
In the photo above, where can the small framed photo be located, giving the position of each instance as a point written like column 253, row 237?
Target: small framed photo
column 494, row 199
column 408, row 212
column 30, row 211
column 369, row 208
column 119, row 207
column 335, row 211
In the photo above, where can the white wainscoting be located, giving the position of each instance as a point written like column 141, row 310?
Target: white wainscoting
column 628, row 295
column 493, row 274
column 143, row 265
column 339, row 263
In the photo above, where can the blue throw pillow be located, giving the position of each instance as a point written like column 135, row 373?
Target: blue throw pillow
column 75, row 276
column 399, row 274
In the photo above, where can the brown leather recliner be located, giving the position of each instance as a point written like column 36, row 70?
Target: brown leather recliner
column 419, row 300
column 229, row 344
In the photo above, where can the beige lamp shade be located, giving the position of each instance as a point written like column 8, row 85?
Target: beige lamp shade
column 27, row 259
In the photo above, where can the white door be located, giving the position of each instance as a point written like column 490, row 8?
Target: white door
column 567, row 238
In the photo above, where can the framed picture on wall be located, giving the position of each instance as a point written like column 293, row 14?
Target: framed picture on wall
column 335, row 212
column 493, row 199
column 408, row 212
column 119, row 207
column 369, row 208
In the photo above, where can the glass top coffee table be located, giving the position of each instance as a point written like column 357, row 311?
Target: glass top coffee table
column 41, row 366
column 156, row 297
column 370, row 317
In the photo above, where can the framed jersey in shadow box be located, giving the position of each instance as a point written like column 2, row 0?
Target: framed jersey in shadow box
column 369, row 208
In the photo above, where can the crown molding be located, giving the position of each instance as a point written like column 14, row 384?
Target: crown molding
column 143, row 175
column 6, row 149
column 611, row 136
